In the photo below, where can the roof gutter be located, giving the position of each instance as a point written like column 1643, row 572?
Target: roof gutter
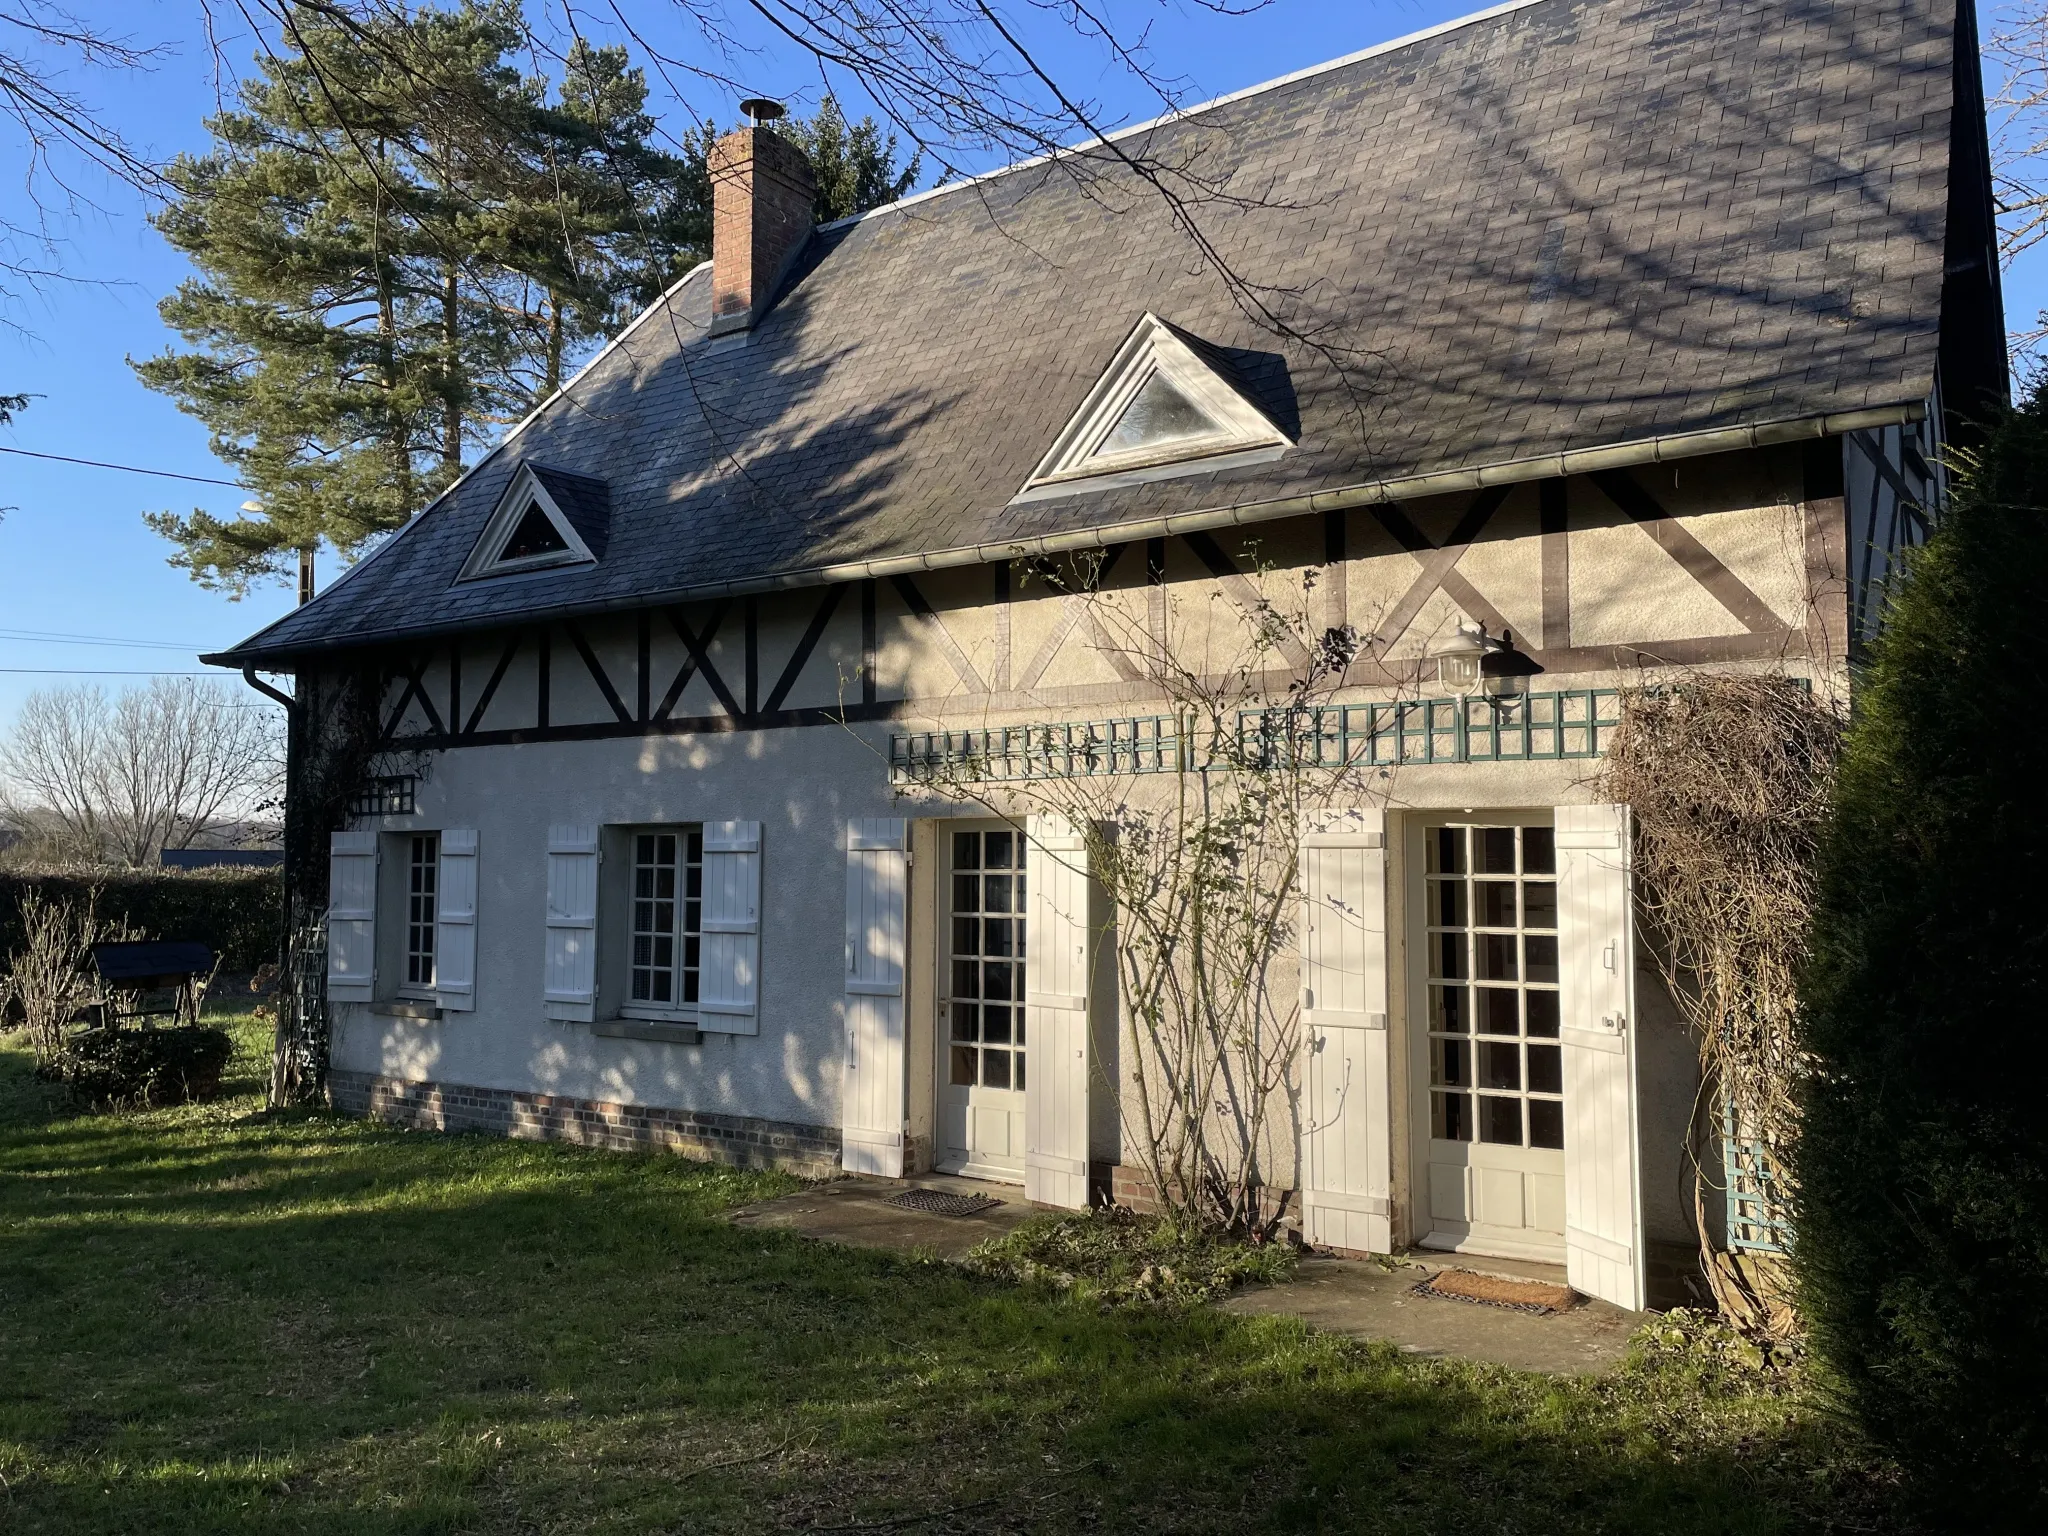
column 1549, row 466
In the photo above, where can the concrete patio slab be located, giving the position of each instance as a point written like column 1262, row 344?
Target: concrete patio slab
column 857, row 1212
column 1362, row 1298
column 1370, row 1301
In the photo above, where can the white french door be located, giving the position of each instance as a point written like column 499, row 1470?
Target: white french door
column 1491, row 1081
column 981, row 1027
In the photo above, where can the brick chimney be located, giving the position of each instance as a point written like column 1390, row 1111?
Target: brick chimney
column 762, row 195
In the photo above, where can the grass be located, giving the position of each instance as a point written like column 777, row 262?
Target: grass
column 213, row 1320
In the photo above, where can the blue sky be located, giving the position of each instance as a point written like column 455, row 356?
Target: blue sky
column 75, row 558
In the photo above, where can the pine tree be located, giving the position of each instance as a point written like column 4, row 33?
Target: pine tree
column 403, row 244
column 400, row 241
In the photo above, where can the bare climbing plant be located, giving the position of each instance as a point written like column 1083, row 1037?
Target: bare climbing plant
column 1729, row 777
column 1190, row 820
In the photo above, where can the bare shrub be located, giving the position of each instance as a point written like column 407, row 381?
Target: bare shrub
column 48, row 976
column 1729, row 779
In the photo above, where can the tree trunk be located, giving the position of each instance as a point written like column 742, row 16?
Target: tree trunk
column 554, row 380
column 451, row 342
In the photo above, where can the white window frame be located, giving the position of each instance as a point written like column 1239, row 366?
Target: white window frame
column 413, row 923
column 682, row 930
column 1243, row 433
column 521, row 496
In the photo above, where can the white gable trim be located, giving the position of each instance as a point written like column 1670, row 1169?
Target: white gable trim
column 1242, row 433
column 525, row 490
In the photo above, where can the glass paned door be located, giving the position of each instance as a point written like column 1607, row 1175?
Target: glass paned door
column 981, row 1038
column 1489, row 1017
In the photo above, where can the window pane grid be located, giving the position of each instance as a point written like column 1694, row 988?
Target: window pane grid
column 1490, row 908
column 985, row 962
column 668, row 910
column 422, row 894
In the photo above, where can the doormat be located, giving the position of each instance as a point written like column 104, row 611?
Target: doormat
column 1531, row 1296
column 937, row 1202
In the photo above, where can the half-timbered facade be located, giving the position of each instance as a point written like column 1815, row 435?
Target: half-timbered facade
column 1628, row 330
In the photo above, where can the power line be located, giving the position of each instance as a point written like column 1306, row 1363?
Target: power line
column 131, row 469
column 60, row 637
column 96, row 672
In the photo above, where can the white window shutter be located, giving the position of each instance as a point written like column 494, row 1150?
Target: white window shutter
column 455, row 922
column 1596, row 981
column 874, row 1092
column 352, row 916
column 1347, row 1133
column 1056, row 974
column 570, row 978
column 729, row 958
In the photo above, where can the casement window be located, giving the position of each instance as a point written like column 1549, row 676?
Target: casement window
column 1496, row 1067
column 666, row 919
column 658, row 923
column 401, row 919
column 422, row 907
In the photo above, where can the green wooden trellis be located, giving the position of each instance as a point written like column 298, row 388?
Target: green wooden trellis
column 1566, row 724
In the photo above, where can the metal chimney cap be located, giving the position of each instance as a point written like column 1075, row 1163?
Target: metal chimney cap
column 762, row 110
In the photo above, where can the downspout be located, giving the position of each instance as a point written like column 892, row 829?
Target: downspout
column 293, row 720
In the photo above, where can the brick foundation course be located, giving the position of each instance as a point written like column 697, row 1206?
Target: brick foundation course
column 811, row 1151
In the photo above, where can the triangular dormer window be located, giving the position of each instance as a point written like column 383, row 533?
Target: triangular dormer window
column 1166, row 405
column 532, row 528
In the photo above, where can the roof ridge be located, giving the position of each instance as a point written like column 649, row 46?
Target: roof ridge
column 1392, row 45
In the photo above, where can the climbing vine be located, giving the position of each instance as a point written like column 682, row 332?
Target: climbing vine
column 1729, row 779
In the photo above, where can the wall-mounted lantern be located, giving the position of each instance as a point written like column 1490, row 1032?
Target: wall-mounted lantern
column 1471, row 661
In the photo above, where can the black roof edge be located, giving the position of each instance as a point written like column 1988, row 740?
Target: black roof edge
column 1570, row 461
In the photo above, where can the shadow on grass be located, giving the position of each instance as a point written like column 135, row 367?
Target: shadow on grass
column 224, row 1323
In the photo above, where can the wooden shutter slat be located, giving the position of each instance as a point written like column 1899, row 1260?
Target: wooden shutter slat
column 728, row 975
column 569, row 987
column 1596, row 978
column 455, row 922
column 874, row 1088
column 1056, row 983
column 1347, row 1136
column 352, row 916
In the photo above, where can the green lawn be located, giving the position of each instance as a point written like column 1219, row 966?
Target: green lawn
column 215, row 1321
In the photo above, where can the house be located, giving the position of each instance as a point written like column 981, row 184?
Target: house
column 1633, row 329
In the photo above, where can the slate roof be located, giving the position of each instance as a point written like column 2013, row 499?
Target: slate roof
column 1558, row 225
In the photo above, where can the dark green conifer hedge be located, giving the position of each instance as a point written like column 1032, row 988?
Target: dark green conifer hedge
column 1923, row 1165
column 234, row 912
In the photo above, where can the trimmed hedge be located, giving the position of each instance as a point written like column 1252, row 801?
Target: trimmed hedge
column 1923, row 1161
column 124, row 1068
column 234, row 912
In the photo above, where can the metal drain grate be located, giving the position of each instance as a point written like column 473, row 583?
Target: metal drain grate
column 937, row 1202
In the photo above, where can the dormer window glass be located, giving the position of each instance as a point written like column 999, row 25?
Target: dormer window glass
column 533, row 537
column 1166, row 405
column 1157, row 417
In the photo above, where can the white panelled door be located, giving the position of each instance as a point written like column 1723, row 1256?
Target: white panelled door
column 1056, row 1008
column 455, row 923
column 1347, row 1135
column 569, row 976
column 1603, row 1229
column 352, row 916
column 873, row 1091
